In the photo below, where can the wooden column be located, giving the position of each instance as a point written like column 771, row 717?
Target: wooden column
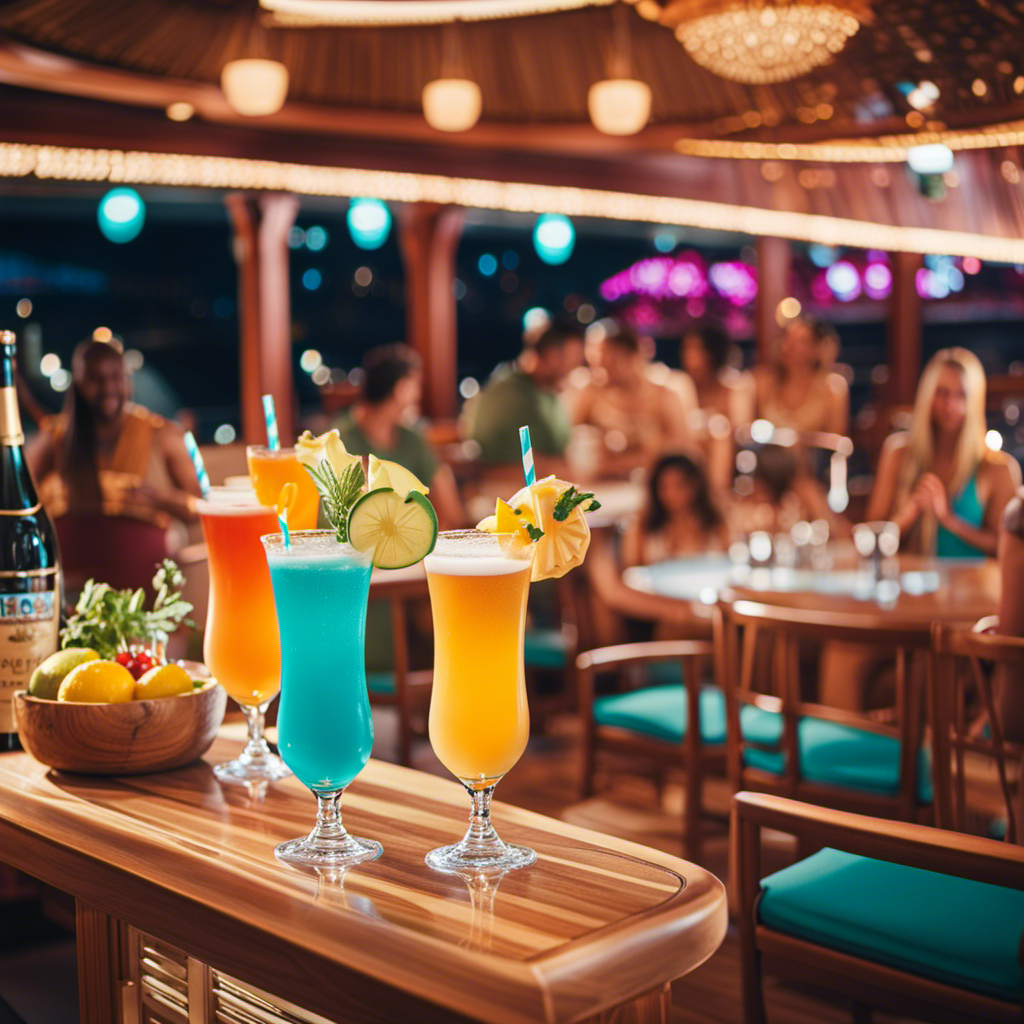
column 774, row 259
column 429, row 238
column 904, row 336
column 261, row 225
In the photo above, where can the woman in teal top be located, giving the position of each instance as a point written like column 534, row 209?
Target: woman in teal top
column 938, row 481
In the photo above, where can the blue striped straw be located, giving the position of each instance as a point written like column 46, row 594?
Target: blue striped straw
column 283, row 520
column 273, row 441
column 197, row 461
column 527, row 446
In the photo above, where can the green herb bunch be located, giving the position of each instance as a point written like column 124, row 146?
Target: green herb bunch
column 569, row 499
column 107, row 620
column 338, row 494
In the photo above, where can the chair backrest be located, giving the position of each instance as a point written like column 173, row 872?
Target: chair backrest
column 757, row 662
column 959, row 680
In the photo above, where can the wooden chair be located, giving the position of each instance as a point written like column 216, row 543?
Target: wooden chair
column 549, row 654
column 957, row 673
column 654, row 723
column 406, row 690
column 904, row 917
column 780, row 743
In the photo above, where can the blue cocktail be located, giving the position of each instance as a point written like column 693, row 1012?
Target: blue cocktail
column 325, row 732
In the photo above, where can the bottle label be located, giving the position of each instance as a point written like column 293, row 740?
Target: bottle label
column 11, row 433
column 28, row 636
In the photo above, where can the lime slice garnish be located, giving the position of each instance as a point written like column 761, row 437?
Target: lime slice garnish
column 398, row 531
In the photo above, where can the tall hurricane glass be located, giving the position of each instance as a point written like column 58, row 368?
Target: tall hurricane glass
column 324, row 728
column 479, row 721
column 240, row 646
column 270, row 469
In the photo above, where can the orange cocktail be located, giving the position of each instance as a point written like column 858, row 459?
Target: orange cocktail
column 241, row 647
column 269, row 470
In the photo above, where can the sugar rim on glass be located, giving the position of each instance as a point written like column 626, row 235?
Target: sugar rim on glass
column 312, row 544
column 232, row 501
column 274, row 453
column 476, row 553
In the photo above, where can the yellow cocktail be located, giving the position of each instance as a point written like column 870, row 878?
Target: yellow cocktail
column 269, row 470
column 479, row 720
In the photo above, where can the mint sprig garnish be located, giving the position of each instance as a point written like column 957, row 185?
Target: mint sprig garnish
column 107, row 620
column 533, row 532
column 570, row 499
column 338, row 494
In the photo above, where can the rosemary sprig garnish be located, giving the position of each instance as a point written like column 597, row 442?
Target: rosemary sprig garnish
column 570, row 499
column 338, row 494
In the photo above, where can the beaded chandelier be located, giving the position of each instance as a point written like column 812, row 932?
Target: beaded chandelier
column 760, row 41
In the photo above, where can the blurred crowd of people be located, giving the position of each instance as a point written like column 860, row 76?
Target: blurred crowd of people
column 721, row 452
column 600, row 407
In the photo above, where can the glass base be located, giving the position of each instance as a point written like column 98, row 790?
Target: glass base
column 245, row 770
column 500, row 857
column 333, row 854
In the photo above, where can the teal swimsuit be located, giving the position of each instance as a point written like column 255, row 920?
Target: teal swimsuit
column 966, row 506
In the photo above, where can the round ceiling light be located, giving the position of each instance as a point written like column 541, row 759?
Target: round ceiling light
column 254, row 87
column 452, row 104
column 619, row 106
column 121, row 214
column 771, row 41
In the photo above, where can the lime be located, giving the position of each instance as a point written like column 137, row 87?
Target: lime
column 399, row 531
column 97, row 682
column 163, row 681
column 46, row 679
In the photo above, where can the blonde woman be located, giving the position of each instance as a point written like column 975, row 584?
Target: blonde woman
column 800, row 389
column 939, row 482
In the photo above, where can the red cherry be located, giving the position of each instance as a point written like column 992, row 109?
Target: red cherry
column 124, row 658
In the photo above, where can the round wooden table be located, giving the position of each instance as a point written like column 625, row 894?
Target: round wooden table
column 912, row 589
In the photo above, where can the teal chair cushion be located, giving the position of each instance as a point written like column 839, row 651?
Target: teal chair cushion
column 833, row 754
column 545, row 648
column 965, row 934
column 380, row 682
column 660, row 712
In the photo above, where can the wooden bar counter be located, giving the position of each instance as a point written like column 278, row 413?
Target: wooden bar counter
column 184, row 915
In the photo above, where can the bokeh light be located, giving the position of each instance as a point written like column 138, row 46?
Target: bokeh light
column 369, row 222
column 554, row 238
column 121, row 215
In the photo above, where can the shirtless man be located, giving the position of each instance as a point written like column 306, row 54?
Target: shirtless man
column 637, row 417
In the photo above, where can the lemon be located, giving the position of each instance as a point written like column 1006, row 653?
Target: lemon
column 163, row 681
column 97, row 682
column 383, row 473
column 564, row 544
column 48, row 676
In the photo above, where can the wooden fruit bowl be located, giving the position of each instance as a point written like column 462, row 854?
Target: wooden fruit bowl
column 121, row 739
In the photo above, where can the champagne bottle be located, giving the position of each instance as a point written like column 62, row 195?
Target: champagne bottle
column 30, row 582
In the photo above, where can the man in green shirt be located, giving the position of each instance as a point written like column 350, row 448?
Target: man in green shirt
column 529, row 395
column 377, row 425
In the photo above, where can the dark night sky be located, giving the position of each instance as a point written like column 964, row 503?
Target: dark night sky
column 171, row 292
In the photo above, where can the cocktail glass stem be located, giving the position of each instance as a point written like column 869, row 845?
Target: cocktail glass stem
column 481, row 847
column 480, row 838
column 256, row 763
column 329, row 844
column 256, row 749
